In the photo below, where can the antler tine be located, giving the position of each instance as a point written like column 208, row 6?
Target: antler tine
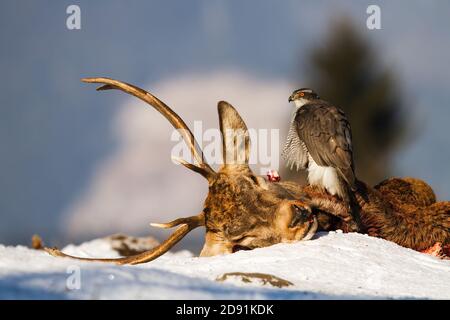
column 199, row 219
column 176, row 121
column 187, row 226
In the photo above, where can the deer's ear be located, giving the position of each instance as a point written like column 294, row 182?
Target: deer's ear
column 235, row 136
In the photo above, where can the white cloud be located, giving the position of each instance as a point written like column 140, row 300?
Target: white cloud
column 138, row 183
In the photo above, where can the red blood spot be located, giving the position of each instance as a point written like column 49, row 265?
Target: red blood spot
column 273, row 176
column 437, row 250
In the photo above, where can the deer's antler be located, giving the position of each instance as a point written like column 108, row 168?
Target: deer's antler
column 187, row 225
column 201, row 165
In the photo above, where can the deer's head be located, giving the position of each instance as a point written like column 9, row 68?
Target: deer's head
column 242, row 211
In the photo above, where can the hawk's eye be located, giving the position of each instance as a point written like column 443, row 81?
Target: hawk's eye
column 302, row 94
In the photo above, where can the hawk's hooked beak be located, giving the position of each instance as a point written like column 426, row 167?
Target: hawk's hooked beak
column 290, row 98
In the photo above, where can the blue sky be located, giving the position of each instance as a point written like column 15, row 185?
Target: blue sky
column 53, row 131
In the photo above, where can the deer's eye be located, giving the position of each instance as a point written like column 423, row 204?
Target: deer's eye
column 242, row 238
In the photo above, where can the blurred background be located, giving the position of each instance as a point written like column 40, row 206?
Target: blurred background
column 77, row 164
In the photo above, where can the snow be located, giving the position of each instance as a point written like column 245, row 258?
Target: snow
column 331, row 266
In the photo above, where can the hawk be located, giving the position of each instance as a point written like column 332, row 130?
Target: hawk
column 320, row 140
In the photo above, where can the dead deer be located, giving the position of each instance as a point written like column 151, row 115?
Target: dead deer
column 241, row 211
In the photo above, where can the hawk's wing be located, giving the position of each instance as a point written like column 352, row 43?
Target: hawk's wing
column 294, row 151
column 326, row 133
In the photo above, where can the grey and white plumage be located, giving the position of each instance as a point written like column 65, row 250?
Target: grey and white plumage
column 320, row 141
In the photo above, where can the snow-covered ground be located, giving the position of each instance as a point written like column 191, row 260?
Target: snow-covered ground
column 333, row 265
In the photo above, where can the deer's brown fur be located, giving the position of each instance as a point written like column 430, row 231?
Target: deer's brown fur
column 402, row 210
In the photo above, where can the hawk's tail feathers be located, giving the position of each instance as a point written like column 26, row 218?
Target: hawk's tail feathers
column 349, row 178
column 354, row 207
